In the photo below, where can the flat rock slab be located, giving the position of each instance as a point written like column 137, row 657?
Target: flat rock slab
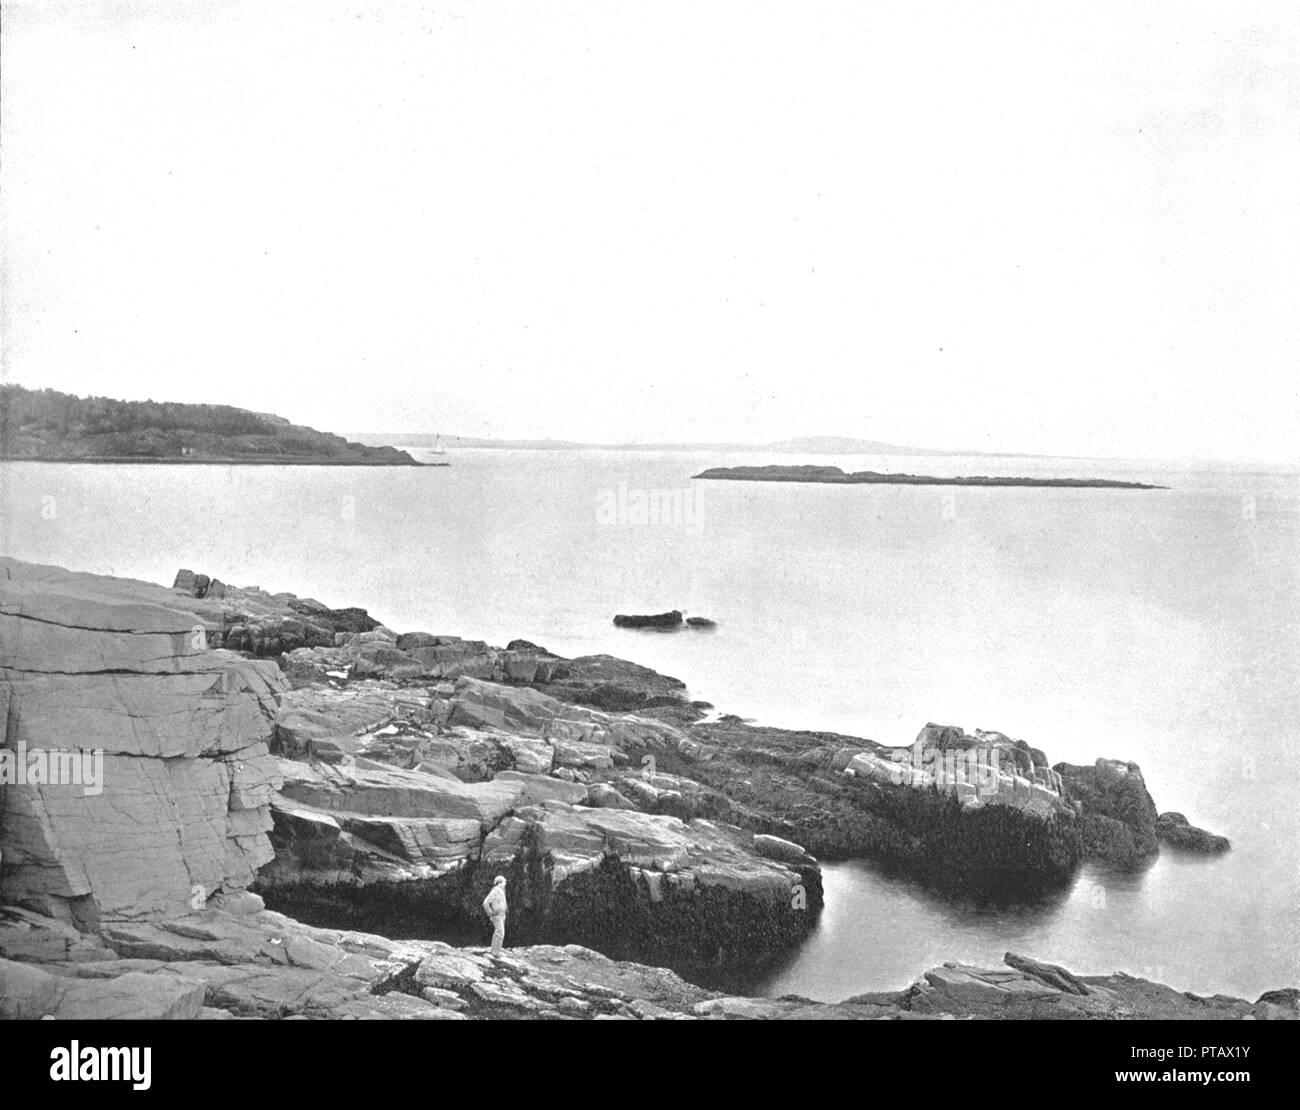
column 393, row 792
column 27, row 991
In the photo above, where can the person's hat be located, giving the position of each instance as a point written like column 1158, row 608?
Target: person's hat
column 499, row 880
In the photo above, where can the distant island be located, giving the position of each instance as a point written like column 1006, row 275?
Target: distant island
column 44, row 425
column 835, row 476
column 800, row 445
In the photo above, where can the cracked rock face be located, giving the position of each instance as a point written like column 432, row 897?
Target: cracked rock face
column 182, row 807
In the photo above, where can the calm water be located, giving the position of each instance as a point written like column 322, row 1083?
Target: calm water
column 1160, row 626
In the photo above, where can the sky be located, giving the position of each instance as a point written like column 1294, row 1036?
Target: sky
column 1048, row 228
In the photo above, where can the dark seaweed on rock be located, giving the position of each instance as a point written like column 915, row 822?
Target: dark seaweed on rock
column 606, row 910
column 1118, row 821
column 1175, row 830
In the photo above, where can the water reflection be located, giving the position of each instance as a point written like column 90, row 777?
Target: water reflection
column 881, row 929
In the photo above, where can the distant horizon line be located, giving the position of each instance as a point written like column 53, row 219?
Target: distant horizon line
column 808, row 444
column 831, row 445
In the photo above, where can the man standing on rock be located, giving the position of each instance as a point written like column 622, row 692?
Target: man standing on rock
column 494, row 905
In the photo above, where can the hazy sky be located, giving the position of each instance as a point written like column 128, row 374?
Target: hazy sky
column 1048, row 227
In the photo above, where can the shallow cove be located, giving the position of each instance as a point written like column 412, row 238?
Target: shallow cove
column 880, row 930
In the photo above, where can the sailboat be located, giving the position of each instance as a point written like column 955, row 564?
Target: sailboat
column 438, row 449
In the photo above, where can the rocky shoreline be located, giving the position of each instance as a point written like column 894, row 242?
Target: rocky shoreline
column 267, row 750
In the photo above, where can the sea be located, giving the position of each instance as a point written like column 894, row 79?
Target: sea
column 1159, row 626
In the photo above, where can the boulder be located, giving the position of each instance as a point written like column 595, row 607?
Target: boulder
column 774, row 847
column 1175, row 830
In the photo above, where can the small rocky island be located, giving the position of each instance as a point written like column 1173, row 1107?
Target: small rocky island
column 44, row 425
column 671, row 620
column 833, row 475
